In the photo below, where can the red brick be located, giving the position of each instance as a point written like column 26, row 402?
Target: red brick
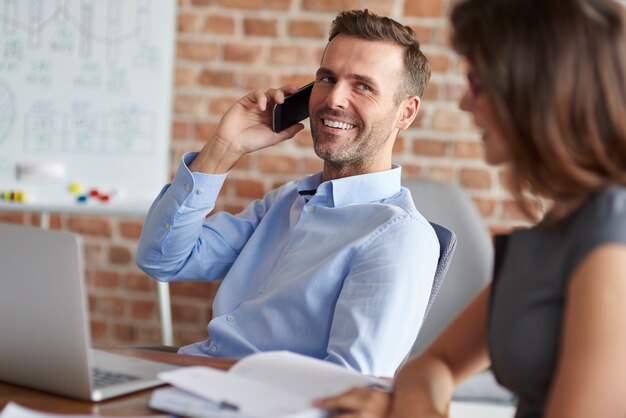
column 412, row 170
column 257, row 80
column 439, row 63
column 298, row 80
column 278, row 164
column 431, row 148
column 380, row 7
column 180, row 130
column 468, row 149
column 120, row 255
column 451, row 120
column 431, row 93
column 233, row 208
column 313, row 165
column 219, row 105
column 293, row 55
column 185, row 76
column 130, row 229
column 99, row 330
column 329, row 5
column 475, row 178
column 303, row 139
column 187, row 313
column 243, row 53
column 13, row 217
column 455, row 91
column 419, row 119
column 278, row 4
column 399, row 146
column 445, row 174
column 106, row 279
column 188, row 337
column 512, row 212
column 242, row 4
column 100, row 227
column 149, row 335
column 243, row 164
column 196, row 50
column 423, row 8
column 308, row 29
column 217, row 78
column 55, row 221
column 203, row 131
column 190, row 105
column 424, row 33
column 125, row 333
column 143, row 309
column 93, row 253
column 260, row 27
column 201, row 3
column 200, row 290
column 140, row 282
column 111, row 305
column 219, row 25
column 188, row 22
column 249, row 188
column 486, row 207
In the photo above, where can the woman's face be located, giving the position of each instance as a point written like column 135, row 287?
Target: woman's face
column 476, row 102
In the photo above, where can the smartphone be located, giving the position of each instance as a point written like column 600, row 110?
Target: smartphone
column 294, row 109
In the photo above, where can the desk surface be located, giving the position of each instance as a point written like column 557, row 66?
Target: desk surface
column 130, row 405
column 136, row 404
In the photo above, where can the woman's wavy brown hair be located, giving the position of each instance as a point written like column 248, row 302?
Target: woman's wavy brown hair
column 555, row 72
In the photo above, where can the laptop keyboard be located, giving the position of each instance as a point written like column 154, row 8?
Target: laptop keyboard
column 103, row 378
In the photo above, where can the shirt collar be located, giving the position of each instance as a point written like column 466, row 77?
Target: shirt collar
column 363, row 188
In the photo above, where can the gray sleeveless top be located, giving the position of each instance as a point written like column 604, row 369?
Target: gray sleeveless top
column 528, row 294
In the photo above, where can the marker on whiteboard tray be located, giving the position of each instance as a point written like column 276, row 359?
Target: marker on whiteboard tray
column 40, row 171
column 18, row 196
column 75, row 188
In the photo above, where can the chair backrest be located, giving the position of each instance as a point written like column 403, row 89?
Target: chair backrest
column 470, row 269
column 447, row 245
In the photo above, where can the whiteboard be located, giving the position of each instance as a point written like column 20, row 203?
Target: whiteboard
column 85, row 98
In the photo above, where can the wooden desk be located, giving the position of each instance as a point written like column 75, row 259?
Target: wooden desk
column 129, row 405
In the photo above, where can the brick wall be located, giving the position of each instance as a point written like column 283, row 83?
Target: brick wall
column 224, row 49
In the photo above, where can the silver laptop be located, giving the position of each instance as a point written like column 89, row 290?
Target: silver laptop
column 44, row 322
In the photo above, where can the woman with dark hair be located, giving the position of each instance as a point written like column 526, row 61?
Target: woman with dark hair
column 547, row 86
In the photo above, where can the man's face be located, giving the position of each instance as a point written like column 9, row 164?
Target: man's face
column 353, row 106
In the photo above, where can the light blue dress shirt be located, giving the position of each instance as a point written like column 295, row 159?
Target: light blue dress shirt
column 340, row 271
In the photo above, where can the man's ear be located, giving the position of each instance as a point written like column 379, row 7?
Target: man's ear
column 409, row 108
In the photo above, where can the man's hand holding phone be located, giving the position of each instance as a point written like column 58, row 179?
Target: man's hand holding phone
column 246, row 127
column 294, row 109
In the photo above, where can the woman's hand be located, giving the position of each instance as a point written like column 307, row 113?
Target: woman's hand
column 358, row 403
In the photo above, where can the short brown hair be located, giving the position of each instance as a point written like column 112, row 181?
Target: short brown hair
column 555, row 72
column 366, row 25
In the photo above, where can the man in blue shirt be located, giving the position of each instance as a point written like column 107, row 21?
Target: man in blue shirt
column 338, row 265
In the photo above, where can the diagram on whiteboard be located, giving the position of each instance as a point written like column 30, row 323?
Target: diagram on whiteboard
column 87, row 83
column 7, row 111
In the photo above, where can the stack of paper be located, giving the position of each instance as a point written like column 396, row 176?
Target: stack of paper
column 276, row 384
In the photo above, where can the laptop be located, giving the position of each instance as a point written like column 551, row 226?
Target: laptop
column 44, row 322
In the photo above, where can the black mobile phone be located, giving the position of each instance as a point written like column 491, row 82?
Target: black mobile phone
column 294, row 109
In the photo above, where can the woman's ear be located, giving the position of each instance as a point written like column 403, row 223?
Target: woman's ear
column 409, row 109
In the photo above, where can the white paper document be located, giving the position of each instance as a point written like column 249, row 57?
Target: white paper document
column 13, row 410
column 265, row 385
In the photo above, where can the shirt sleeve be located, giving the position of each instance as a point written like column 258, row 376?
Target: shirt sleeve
column 383, row 299
column 178, row 242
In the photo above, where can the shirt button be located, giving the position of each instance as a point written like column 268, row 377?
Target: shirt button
column 214, row 348
column 187, row 188
column 167, row 226
column 310, row 209
column 199, row 191
column 229, row 318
